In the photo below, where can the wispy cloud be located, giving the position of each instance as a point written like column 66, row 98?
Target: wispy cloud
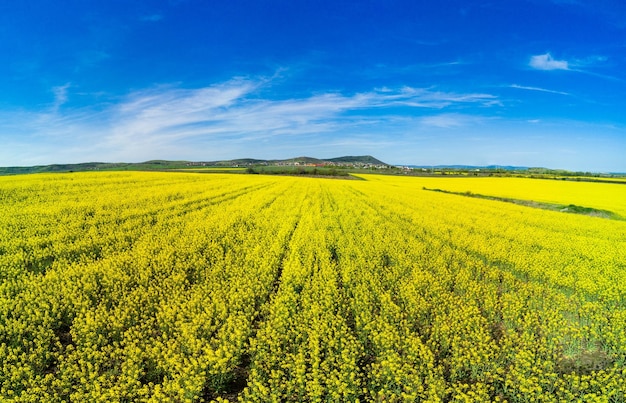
column 450, row 120
column 522, row 87
column 166, row 120
column 232, row 108
column 427, row 98
column 547, row 62
column 60, row 96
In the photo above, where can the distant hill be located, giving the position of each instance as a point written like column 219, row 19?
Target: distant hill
column 346, row 160
column 302, row 160
column 155, row 165
column 364, row 159
column 350, row 162
column 95, row 166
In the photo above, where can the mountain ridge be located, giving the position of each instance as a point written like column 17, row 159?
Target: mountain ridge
column 168, row 164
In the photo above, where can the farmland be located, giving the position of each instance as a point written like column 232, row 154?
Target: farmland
column 188, row 287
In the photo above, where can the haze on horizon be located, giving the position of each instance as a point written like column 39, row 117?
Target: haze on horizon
column 522, row 82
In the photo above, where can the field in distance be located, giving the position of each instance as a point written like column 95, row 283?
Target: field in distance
column 187, row 287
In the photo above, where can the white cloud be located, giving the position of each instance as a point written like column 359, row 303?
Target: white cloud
column 425, row 98
column 60, row 96
column 547, row 62
column 230, row 110
column 522, row 87
column 173, row 122
column 450, row 120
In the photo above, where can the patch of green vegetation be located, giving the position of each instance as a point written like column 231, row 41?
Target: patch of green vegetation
column 327, row 172
column 571, row 208
column 203, row 170
column 585, row 362
column 154, row 165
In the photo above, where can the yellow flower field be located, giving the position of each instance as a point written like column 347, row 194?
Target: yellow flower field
column 605, row 196
column 190, row 287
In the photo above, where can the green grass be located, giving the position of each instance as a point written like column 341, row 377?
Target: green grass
column 570, row 208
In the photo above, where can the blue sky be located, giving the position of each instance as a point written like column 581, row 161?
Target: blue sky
column 519, row 82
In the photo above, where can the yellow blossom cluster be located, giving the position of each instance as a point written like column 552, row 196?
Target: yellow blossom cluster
column 191, row 287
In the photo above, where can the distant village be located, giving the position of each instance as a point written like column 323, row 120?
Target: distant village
column 361, row 165
column 318, row 164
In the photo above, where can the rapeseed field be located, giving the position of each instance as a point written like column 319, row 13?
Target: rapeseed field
column 191, row 287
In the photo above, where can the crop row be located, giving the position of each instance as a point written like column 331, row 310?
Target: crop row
column 196, row 287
